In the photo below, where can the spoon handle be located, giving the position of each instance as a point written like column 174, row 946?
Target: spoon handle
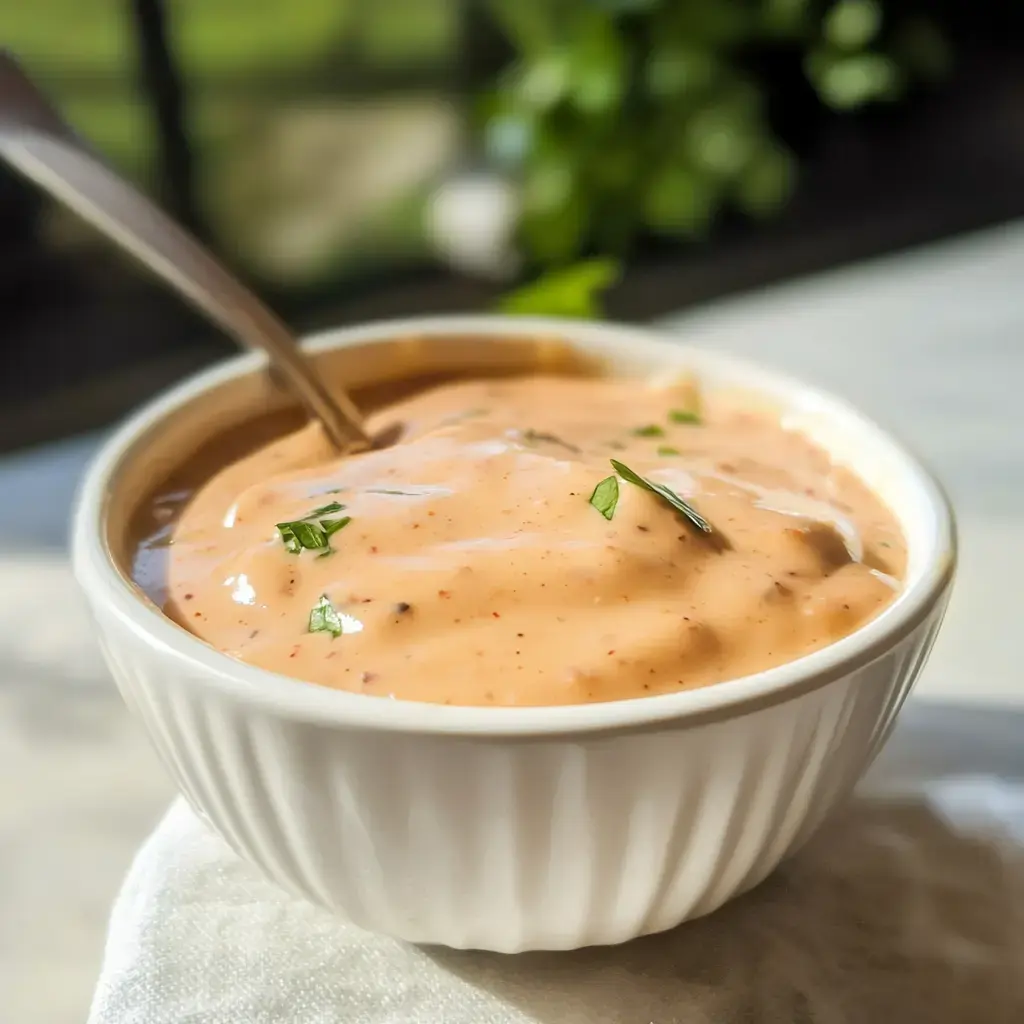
column 38, row 142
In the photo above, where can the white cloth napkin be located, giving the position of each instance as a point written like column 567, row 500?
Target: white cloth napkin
column 908, row 907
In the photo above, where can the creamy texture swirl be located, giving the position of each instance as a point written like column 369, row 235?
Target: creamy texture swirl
column 475, row 570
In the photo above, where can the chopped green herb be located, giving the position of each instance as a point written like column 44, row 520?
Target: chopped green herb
column 684, row 416
column 667, row 449
column 311, row 532
column 691, row 515
column 298, row 535
column 651, row 430
column 538, row 436
column 606, row 496
column 325, row 510
column 332, row 526
column 324, row 618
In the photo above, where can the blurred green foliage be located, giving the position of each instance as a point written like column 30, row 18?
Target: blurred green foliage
column 623, row 117
column 573, row 291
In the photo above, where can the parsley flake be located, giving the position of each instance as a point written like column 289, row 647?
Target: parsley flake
column 685, row 416
column 531, row 436
column 690, row 514
column 606, row 496
column 324, row 618
column 313, row 532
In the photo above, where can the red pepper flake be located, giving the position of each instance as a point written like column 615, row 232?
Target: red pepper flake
column 496, row 615
column 188, row 597
column 612, row 651
column 295, row 650
column 373, row 549
column 368, row 677
column 444, row 593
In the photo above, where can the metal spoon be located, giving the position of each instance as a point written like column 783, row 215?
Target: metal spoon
column 36, row 140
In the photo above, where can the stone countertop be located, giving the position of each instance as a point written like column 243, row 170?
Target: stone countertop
column 930, row 342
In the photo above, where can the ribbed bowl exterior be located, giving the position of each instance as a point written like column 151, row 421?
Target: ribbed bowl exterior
column 515, row 843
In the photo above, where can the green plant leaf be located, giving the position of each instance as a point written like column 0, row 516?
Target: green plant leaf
column 621, row 115
column 845, row 83
column 556, row 236
column 680, row 202
column 674, row 69
column 598, row 63
column 626, row 6
column 767, row 182
column 716, row 24
column 786, row 18
column 573, row 291
column 723, row 136
column 526, row 23
column 544, row 80
column 852, row 24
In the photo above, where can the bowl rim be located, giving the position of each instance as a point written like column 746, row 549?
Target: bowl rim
column 202, row 665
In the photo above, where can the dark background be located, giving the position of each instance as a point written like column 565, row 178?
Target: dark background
column 194, row 100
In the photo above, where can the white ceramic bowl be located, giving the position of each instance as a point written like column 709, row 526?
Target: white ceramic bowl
column 508, row 828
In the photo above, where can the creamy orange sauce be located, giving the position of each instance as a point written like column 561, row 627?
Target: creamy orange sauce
column 474, row 569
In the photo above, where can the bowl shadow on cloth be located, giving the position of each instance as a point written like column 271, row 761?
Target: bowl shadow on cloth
column 901, row 909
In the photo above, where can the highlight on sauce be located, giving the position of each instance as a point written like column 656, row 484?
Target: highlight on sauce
column 531, row 541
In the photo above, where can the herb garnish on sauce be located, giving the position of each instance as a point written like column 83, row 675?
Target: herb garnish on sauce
column 531, row 436
column 690, row 514
column 684, row 416
column 651, row 430
column 313, row 532
column 606, row 496
column 324, row 618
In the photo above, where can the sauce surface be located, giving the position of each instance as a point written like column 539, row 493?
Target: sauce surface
column 473, row 562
